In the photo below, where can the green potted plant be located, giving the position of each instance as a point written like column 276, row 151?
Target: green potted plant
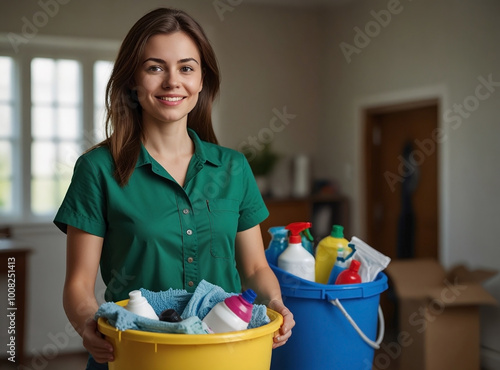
column 262, row 163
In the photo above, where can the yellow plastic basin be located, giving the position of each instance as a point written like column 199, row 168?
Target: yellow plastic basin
column 249, row 349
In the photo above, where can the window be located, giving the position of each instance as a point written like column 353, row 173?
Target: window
column 46, row 123
column 8, row 137
column 102, row 71
column 56, row 129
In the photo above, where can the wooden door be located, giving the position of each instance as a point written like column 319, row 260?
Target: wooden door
column 401, row 151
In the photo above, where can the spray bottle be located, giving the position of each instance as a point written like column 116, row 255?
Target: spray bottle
column 296, row 259
column 307, row 241
column 326, row 253
column 277, row 245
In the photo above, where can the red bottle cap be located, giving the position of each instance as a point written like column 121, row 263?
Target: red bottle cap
column 354, row 265
column 350, row 275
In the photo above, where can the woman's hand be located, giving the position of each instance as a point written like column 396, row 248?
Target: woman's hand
column 256, row 274
column 288, row 322
column 100, row 349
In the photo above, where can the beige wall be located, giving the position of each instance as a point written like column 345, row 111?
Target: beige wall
column 428, row 49
column 274, row 57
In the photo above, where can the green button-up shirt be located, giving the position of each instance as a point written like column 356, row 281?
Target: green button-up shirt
column 157, row 234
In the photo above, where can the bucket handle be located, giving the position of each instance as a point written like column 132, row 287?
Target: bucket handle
column 381, row 328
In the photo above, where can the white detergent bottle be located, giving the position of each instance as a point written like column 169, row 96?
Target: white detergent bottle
column 296, row 259
column 232, row 314
column 140, row 306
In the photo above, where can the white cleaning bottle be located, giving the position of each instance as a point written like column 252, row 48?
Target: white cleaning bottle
column 296, row 259
column 232, row 314
column 140, row 306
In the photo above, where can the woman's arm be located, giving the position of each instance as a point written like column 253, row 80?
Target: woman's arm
column 80, row 304
column 256, row 274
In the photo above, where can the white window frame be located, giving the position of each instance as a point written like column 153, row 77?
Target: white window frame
column 87, row 52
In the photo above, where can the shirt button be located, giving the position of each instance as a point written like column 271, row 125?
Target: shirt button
column 190, row 283
column 189, row 232
column 185, row 211
column 190, row 259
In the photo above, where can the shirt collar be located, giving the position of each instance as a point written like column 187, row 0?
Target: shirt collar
column 203, row 152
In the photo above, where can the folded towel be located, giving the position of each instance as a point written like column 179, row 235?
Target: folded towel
column 192, row 306
column 204, row 298
column 259, row 316
column 122, row 319
column 172, row 298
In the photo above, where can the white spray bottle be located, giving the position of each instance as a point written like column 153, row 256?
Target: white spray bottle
column 295, row 259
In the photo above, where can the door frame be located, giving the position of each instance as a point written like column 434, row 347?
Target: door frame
column 389, row 102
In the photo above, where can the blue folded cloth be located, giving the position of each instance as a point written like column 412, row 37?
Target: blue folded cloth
column 172, row 298
column 122, row 319
column 207, row 295
column 192, row 306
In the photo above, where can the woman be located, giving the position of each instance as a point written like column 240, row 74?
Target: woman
column 159, row 204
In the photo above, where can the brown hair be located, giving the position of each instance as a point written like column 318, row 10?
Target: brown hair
column 124, row 113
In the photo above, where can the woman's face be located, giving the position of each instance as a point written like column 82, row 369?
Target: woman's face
column 169, row 78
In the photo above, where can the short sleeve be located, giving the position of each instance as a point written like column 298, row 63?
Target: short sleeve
column 253, row 210
column 84, row 205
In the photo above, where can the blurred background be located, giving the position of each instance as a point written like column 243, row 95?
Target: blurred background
column 382, row 116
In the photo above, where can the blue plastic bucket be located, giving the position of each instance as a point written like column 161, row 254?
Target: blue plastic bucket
column 336, row 325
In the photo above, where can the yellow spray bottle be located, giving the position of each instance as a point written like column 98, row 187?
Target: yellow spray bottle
column 326, row 253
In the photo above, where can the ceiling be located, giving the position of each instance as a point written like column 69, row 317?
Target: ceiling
column 300, row 3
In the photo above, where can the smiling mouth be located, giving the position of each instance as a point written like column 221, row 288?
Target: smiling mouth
column 168, row 98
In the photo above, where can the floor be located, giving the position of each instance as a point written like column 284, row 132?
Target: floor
column 73, row 361
column 77, row 361
column 384, row 359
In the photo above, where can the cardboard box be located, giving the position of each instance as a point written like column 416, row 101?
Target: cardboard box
column 438, row 314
